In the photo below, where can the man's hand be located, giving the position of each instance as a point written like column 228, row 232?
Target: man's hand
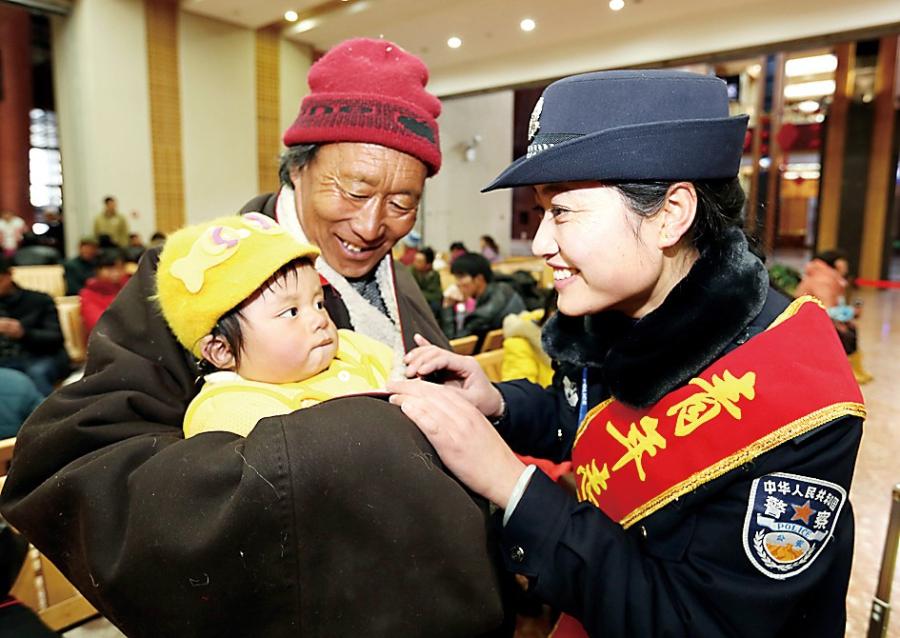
column 461, row 372
column 11, row 328
column 466, row 442
column 453, row 295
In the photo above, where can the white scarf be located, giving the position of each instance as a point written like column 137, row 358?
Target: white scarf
column 364, row 317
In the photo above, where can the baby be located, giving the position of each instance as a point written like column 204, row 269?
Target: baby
column 244, row 297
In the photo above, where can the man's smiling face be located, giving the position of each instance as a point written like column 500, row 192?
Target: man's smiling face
column 355, row 201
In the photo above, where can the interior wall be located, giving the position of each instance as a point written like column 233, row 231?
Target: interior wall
column 218, row 117
column 454, row 208
column 100, row 79
column 295, row 61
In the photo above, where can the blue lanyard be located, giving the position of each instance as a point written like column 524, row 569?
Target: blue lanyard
column 582, row 405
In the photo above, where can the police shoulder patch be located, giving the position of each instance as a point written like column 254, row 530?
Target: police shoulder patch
column 789, row 521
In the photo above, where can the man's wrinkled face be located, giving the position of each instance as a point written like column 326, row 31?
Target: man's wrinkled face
column 355, row 201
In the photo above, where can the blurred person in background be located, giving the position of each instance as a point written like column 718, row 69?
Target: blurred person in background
column 100, row 290
column 33, row 252
column 428, row 279
column 523, row 353
column 31, row 340
column 489, row 248
column 12, row 229
column 18, row 399
column 493, row 300
column 53, row 236
column 82, row 266
column 157, row 239
column 135, row 248
column 457, row 248
column 408, row 247
column 112, row 223
column 825, row 277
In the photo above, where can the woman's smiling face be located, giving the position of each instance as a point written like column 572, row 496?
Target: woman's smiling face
column 604, row 256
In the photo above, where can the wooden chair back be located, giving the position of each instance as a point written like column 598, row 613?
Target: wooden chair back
column 493, row 340
column 464, row 345
column 40, row 585
column 47, row 279
column 492, row 364
column 6, row 452
column 69, row 309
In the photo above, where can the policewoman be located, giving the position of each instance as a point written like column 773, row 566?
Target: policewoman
column 712, row 423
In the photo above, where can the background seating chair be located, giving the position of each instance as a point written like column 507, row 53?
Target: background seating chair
column 492, row 364
column 47, row 279
column 69, row 309
column 464, row 345
column 493, row 340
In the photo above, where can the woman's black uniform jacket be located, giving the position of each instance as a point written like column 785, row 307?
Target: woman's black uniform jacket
column 682, row 571
column 336, row 520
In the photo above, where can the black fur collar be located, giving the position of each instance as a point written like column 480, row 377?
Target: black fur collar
column 642, row 360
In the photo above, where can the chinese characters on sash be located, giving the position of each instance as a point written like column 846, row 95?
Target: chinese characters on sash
column 645, row 438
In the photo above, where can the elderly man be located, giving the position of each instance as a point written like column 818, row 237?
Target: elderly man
column 332, row 521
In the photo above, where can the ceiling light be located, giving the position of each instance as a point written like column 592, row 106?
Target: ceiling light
column 454, row 42
column 804, row 90
column 811, row 65
column 291, row 16
column 306, row 25
column 808, row 106
column 616, row 5
column 527, row 24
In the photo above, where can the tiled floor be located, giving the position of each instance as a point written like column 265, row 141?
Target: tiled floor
column 877, row 469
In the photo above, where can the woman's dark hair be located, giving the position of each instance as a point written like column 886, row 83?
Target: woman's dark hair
column 428, row 253
column 830, row 257
column 229, row 325
column 458, row 245
column 296, row 156
column 109, row 257
column 487, row 239
column 720, row 206
column 472, row 264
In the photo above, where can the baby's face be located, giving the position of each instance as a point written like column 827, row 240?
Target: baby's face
column 287, row 334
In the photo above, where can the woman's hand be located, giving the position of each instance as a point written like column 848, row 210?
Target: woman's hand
column 466, row 442
column 462, row 372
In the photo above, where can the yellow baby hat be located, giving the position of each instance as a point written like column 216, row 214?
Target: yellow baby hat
column 207, row 269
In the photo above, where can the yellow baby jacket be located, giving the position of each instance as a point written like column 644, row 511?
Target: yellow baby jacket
column 229, row 403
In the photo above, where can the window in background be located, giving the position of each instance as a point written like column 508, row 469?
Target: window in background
column 44, row 161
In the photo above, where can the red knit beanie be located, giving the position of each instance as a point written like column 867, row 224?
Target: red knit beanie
column 371, row 91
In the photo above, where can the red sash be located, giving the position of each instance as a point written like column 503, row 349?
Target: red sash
column 785, row 381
